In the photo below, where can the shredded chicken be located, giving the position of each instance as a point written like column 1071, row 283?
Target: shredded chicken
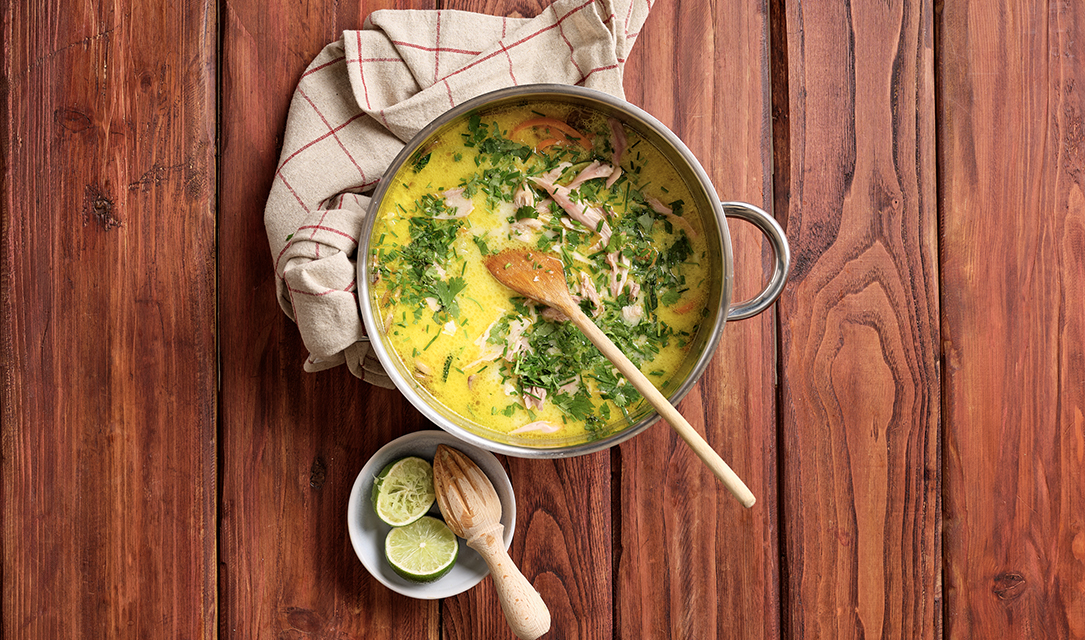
column 555, row 173
column 614, row 177
column 487, row 350
column 632, row 314
column 534, row 397
column 523, row 196
column 461, row 207
column 421, row 368
column 594, row 170
column 579, row 257
column 523, row 228
column 587, row 215
column 587, row 289
column 539, row 425
column 516, row 341
column 677, row 221
column 514, row 344
column 619, row 272
column 553, row 315
column 618, row 140
column 570, row 388
column 568, row 223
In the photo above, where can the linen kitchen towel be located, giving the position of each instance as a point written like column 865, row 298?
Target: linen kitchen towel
column 365, row 96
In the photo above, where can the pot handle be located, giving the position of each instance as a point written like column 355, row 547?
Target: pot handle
column 775, row 234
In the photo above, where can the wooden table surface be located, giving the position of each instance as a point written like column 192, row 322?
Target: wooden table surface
column 910, row 414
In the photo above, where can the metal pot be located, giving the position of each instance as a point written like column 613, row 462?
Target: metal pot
column 719, row 245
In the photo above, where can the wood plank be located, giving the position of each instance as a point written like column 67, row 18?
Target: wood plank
column 859, row 325
column 1013, row 276
column 293, row 442
column 693, row 563
column 108, row 288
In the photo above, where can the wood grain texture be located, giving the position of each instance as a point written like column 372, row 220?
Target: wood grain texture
column 692, row 562
column 107, row 286
column 168, row 470
column 1013, row 277
column 859, row 325
column 292, row 442
column 562, row 545
column 508, row 8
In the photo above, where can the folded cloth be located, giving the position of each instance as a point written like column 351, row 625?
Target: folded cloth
column 365, row 96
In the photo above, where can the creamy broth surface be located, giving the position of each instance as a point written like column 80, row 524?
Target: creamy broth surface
column 552, row 178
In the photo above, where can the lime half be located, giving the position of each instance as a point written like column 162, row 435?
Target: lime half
column 403, row 491
column 422, row 551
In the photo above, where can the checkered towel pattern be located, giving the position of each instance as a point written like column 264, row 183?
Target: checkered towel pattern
column 364, row 97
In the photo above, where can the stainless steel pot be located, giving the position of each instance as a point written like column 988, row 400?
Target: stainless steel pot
column 719, row 240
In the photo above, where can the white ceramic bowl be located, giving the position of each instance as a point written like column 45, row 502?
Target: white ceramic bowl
column 367, row 531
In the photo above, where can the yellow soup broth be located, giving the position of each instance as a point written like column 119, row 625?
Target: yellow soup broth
column 575, row 184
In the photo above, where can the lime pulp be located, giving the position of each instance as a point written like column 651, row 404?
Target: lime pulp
column 422, row 551
column 403, row 491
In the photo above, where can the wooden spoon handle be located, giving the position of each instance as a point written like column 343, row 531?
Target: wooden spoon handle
column 705, row 452
column 525, row 611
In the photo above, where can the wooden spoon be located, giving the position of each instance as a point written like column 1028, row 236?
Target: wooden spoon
column 472, row 510
column 541, row 276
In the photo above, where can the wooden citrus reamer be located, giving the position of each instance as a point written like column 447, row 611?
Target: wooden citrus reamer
column 541, row 277
column 472, row 509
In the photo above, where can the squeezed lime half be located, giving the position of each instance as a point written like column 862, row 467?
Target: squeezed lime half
column 422, row 551
column 403, row 491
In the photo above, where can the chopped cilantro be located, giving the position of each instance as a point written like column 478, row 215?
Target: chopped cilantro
column 446, row 294
column 669, row 297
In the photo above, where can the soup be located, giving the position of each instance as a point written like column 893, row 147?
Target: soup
column 555, row 178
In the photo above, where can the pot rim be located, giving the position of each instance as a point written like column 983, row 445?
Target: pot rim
column 633, row 115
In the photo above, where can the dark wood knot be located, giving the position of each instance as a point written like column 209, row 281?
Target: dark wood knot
column 318, row 473
column 72, row 120
column 1008, row 585
column 98, row 206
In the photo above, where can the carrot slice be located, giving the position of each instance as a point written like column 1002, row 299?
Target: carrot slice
column 546, row 144
column 554, row 123
column 688, row 306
